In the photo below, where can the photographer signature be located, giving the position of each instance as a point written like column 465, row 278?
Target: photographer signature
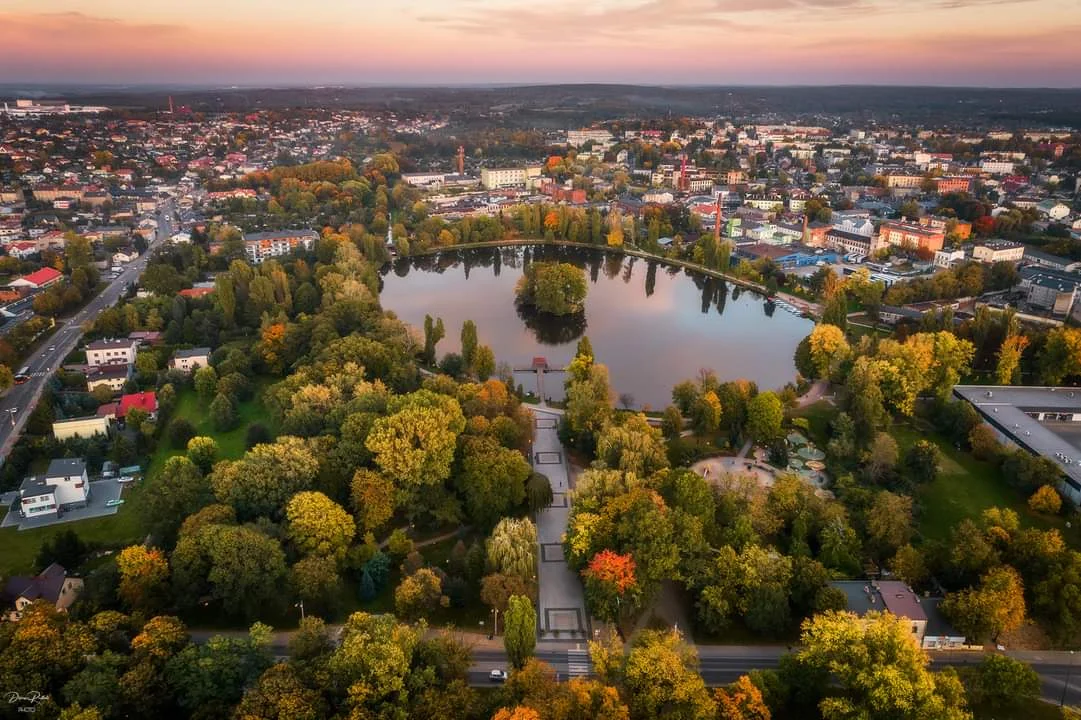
column 31, row 698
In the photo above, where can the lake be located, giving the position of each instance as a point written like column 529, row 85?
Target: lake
column 652, row 325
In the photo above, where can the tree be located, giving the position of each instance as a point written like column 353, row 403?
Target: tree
column 415, row 445
column 919, row 464
column 836, row 311
column 908, row 565
column 611, row 585
column 497, row 589
column 765, row 415
column 144, row 577
column 316, row 582
column 206, row 383
column 1061, row 356
column 214, row 675
column 661, row 676
column 373, row 499
column 181, row 491
column 889, row 523
column 492, row 479
column 236, row 566
column 519, row 630
column 881, row 458
column 996, row 606
column 203, row 451
column 671, row 423
column 319, row 526
column 742, row 700
column 469, row 343
column 433, row 333
column 1045, row 500
column 280, row 694
column 223, row 413
column 484, row 362
column 512, row 548
column 64, row 548
column 1001, row 681
column 828, row 349
column 589, row 401
column 538, row 491
column 633, row 446
column 418, row 594
column 876, row 670
column 552, row 288
column 1008, row 368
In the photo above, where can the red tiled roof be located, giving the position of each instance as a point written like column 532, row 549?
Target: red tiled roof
column 145, row 401
column 42, row 276
column 196, row 292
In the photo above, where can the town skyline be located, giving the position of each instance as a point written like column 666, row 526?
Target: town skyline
column 1013, row 43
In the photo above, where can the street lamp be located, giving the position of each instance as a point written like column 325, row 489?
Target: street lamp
column 12, row 411
column 1066, row 685
column 301, row 606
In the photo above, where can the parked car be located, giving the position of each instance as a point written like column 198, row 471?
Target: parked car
column 114, row 503
column 498, row 676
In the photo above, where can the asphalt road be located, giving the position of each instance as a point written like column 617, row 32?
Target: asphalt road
column 19, row 401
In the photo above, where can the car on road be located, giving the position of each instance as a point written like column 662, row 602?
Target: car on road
column 498, row 676
column 51, row 348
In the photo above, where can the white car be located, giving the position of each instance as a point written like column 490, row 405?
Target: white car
column 498, row 676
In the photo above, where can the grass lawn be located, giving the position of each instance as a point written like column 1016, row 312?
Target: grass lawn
column 18, row 549
column 818, row 415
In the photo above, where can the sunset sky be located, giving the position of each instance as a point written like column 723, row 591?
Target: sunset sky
column 359, row 42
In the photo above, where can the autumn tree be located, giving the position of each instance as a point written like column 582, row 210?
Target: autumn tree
column 1045, row 500
column 1061, row 356
column 492, row 479
column 611, row 586
column 742, row 700
column 632, row 446
column 319, row 526
column 553, row 288
column 203, row 451
column 828, row 348
column 374, row 500
column 1008, row 367
column 765, row 415
column 415, row 444
column 266, row 477
column 144, row 577
column 661, row 677
column 512, row 548
column 995, row 607
column 418, row 594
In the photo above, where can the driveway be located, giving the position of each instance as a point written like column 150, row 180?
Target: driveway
column 562, row 604
column 101, row 492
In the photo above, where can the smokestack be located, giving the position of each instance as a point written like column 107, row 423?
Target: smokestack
column 170, row 104
column 461, row 159
column 717, row 228
column 683, row 171
column 806, row 237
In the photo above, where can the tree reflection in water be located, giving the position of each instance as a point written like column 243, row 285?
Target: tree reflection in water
column 552, row 329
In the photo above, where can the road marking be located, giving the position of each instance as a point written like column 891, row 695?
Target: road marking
column 578, row 663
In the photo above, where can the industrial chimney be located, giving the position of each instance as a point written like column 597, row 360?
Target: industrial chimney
column 461, row 159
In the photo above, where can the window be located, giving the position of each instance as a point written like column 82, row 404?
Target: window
column 915, row 629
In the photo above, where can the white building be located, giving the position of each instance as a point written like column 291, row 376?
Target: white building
column 997, row 167
column 421, row 179
column 260, row 246
column 84, row 427
column 1054, row 210
column 189, row 360
column 995, row 251
column 111, row 352
column 181, row 238
column 946, row 258
column 578, row 138
column 495, row 178
column 65, row 484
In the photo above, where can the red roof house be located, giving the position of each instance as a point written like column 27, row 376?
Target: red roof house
column 42, row 278
column 145, row 401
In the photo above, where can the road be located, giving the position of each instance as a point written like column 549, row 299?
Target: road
column 16, row 404
column 718, row 664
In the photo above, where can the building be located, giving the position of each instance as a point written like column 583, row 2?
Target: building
column 422, row 179
column 953, row 184
column 1050, row 290
column 263, row 245
column 51, row 585
column 890, row 596
column 189, row 360
column 145, row 401
column 64, row 485
column 946, row 258
column 907, row 235
column 83, row 427
column 891, row 314
column 38, row 280
column 578, row 138
column 495, row 178
column 961, row 228
column 111, row 352
column 994, row 251
column 1054, row 210
column 997, row 167
column 850, row 243
column 1054, row 262
column 1041, row 420
column 114, row 377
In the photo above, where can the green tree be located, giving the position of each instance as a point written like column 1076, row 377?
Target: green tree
column 519, row 630
column 206, row 383
column 661, row 676
column 418, row 594
column 469, row 343
column 433, row 333
column 280, row 694
column 316, row 582
column 553, row 288
column 492, row 480
column 765, row 415
column 484, row 362
column 632, row 446
column 223, row 413
column 415, row 445
column 889, row 523
column 1001, row 681
column 214, row 675
column 203, row 451
column 1061, row 356
column 920, row 462
column 182, row 489
column 317, row 525
column 266, row 477
column 512, row 548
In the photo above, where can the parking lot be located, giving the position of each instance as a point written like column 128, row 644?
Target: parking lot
column 101, row 492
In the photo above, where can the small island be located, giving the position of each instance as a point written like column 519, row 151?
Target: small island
column 554, row 288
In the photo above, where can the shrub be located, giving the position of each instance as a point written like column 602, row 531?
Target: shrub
column 180, row 432
column 257, row 435
column 1045, row 500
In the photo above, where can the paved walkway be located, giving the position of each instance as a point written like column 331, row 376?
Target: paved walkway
column 562, row 604
column 816, row 392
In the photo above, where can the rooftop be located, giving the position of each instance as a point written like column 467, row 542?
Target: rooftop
column 65, row 467
column 892, row 595
column 192, row 352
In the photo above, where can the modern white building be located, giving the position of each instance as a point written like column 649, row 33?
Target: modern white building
column 84, row 427
column 189, row 361
column 995, row 251
column 495, row 178
column 65, row 484
column 263, row 245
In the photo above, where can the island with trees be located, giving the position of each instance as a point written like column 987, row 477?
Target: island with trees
column 555, row 288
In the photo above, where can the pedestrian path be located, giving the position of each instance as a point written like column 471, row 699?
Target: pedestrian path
column 578, row 663
column 562, row 605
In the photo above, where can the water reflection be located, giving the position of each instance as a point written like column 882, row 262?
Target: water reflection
column 653, row 329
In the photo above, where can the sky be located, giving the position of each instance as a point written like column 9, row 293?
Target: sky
column 996, row 43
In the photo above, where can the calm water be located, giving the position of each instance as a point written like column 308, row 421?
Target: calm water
column 652, row 325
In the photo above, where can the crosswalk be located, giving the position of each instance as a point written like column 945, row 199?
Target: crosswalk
column 578, row 663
